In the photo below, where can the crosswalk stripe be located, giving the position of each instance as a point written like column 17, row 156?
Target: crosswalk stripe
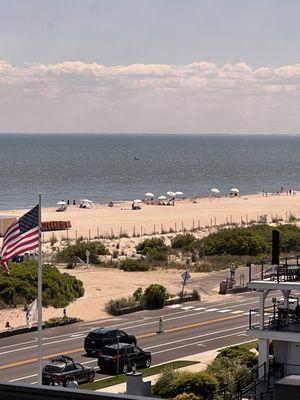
column 237, row 312
column 187, row 308
column 199, row 308
column 227, row 310
column 211, row 309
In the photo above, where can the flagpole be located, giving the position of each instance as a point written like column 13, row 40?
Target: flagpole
column 40, row 294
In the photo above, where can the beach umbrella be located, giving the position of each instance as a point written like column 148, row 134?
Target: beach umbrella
column 235, row 190
column 137, row 201
column 178, row 193
column 149, row 194
column 171, row 194
column 215, row 190
column 61, row 203
column 85, row 201
column 162, row 198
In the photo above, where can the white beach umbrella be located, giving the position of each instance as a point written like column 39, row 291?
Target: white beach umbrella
column 178, row 193
column 235, row 190
column 149, row 194
column 215, row 190
column 137, row 201
column 171, row 194
column 162, row 198
column 85, row 201
column 61, row 203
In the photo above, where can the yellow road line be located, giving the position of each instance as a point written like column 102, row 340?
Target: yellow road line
column 31, row 360
column 145, row 335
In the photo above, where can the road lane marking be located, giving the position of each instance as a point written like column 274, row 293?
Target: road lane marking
column 211, row 309
column 192, row 344
column 226, row 310
column 196, row 324
column 237, row 312
column 195, row 337
column 170, row 330
column 124, row 324
column 23, row 377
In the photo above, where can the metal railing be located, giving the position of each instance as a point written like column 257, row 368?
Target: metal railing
column 276, row 319
column 288, row 270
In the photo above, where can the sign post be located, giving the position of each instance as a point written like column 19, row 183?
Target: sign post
column 87, row 253
column 185, row 278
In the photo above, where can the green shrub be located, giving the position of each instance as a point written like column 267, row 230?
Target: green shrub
column 185, row 242
column 154, row 297
column 114, row 307
column 138, row 294
column 174, row 383
column 134, row 265
column 154, row 249
column 20, row 287
column 228, row 371
column 187, row 396
column 251, row 241
column 240, row 352
column 96, row 249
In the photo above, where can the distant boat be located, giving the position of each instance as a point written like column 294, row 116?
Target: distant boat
column 136, row 158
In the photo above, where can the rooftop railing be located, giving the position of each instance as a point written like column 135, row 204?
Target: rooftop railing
column 277, row 317
column 287, row 271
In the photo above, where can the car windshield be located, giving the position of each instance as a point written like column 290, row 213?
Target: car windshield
column 53, row 369
column 95, row 335
column 109, row 351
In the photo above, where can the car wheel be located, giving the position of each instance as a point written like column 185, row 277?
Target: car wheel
column 92, row 376
column 125, row 368
column 148, row 363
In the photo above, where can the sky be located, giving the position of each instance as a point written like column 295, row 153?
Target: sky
column 150, row 66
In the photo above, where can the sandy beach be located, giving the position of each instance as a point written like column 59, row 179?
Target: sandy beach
column 103, row 220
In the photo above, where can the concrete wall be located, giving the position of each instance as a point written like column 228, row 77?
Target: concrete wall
column 12, row 391
column 288, row 353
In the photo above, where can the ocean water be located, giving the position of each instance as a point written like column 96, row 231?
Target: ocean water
column 124, row 167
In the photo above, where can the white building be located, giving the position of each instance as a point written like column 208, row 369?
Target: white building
column 278, row 320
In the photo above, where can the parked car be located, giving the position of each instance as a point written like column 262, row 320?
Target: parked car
column 98, row 338
column 125, row 357
column 61, row 368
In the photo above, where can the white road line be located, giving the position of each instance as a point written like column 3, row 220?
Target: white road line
column 199, row 308
column 174, row 306
column 23, row 377
column 173, row 316
column 195, row 343
column 226, row 310
column 188, row 308
column 211, row 309
column 237, row 312
column 195, row 337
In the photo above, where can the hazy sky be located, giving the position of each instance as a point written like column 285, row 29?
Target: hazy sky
column 150, row 66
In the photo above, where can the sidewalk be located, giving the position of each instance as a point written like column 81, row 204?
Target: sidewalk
column 203, row 359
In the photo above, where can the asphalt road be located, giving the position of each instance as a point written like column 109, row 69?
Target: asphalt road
column 189, row 329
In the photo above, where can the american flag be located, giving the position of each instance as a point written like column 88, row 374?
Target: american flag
column 21, row 236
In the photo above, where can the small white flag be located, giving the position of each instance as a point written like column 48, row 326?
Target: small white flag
column 31, row 313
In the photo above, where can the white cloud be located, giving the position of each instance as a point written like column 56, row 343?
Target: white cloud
column 74, row 95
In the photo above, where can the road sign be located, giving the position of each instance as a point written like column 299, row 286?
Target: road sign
column 87, row 253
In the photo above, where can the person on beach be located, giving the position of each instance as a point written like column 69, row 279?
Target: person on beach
column 232, row 271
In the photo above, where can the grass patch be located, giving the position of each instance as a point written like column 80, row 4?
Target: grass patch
column 103, row 383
